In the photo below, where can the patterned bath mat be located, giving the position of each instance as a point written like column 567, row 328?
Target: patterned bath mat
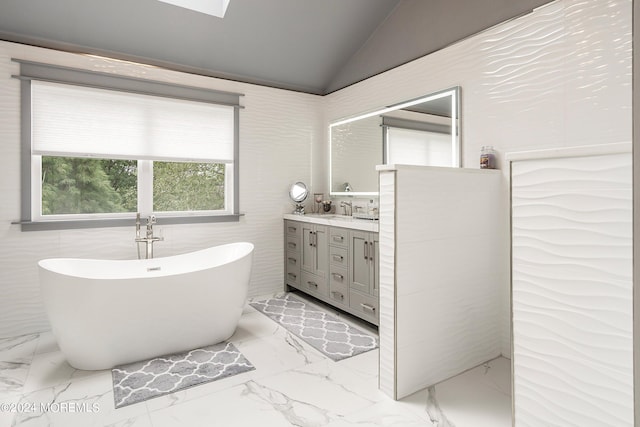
column 334, row 338
column 139, row 381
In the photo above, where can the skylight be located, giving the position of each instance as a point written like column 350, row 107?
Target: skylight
column 210, row 7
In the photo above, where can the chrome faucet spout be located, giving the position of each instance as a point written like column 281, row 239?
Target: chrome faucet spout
column 344, row 206
column 137, row 225
column 149, row 238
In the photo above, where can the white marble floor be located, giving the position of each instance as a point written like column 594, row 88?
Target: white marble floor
column 292, row 385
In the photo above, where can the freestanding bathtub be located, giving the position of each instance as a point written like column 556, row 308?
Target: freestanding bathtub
column 105, row 313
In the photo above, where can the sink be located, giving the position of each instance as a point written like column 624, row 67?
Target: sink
column 331, row 216
column 341, row 217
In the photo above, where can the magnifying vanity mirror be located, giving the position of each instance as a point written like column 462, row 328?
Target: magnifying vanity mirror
column 423, row 131
column 298, row 194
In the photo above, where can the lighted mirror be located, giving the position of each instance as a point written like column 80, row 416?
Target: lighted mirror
column 423, row 131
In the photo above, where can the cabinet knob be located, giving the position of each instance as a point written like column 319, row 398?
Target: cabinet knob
column 338, row 276
column 292, row 260
column 293, row 276
column 314, row 284
column 338, row 258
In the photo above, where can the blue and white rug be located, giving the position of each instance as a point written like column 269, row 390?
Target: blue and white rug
column 332, row 337
column 139, row 381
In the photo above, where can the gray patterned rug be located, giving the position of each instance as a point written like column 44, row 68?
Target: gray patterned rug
column 332, row 337
column 139, row 381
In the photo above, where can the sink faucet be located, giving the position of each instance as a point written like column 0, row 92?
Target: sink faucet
column 149, row 237
column 344, row 205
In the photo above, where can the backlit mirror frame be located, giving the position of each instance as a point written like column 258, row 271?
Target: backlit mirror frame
column 456, row 151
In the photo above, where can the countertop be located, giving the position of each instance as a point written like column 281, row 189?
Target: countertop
column 334, row 220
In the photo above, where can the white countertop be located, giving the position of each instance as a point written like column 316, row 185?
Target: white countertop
column 334, row 220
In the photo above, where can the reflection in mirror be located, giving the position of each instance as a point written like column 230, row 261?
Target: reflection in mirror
column 423, row 131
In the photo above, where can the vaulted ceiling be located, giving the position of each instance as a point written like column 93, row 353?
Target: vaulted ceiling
column 314, row 46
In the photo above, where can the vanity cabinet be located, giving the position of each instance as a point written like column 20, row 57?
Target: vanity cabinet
column 337, row 265
column 363, row 274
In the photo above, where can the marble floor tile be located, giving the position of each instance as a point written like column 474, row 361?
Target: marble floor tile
column 325, row 385
column 479, row 397
column 47, row 343
column 16, row 355
column 365, row 364
column 18, row 348
column 384, row 413
column 243, row 405
column 51, row 369
column 8, row 408
column 252, row 326
column 83, row 402
column 293, row 384
column 279, row 352
column 140, row 421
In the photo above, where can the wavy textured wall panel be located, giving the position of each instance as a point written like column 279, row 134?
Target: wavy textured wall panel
column 572, row 291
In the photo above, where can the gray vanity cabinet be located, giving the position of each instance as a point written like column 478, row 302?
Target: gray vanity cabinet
column 337, row 265
column 315, row 258
column 363, row 274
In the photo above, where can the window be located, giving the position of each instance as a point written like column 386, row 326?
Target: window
column 418, row 147
column 104, row 152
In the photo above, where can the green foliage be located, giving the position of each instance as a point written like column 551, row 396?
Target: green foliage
column 123, row 177
column 188, row 186
column 75, row 186
column 79, row 186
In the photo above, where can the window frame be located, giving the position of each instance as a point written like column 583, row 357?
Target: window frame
column 30, row 170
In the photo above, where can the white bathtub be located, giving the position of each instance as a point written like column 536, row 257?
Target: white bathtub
column 106, row 313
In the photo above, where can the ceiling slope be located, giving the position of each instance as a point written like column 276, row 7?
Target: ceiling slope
column 291, row 44
column 417, row 27
column 314, row 46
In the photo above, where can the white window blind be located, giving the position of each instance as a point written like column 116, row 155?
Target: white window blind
column 69, row 120
column 413, row 147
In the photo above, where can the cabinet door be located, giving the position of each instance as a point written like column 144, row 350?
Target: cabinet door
column 308, row 248
column 321, row 245
column 359, row 264
column 375, row 263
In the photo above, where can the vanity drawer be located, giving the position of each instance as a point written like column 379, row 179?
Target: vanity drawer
column 365, row 305
column 339, row 276
column 338, row 285
column 293, row 228
column 314, row 284
column 293, row 243
column 292, row 263
column 338, row 256
column 339, row 237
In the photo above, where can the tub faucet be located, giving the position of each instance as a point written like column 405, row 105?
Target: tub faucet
column 149, row 238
